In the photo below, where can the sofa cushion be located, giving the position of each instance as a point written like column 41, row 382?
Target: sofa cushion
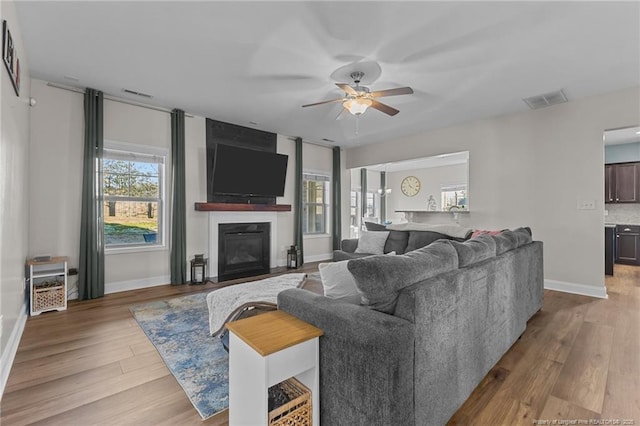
column 475, row 250
column 371, row 226
column 505, row 241
column 338, row 282
column 339, row 255
column 396, row 241
column 523, row 235
column 419, row 239
column 381, row 278
column 372, row 242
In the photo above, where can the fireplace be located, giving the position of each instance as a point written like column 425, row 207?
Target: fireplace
column 244, row 249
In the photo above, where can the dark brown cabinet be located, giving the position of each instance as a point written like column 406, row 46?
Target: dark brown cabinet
column 628, row 244
column 622, row 183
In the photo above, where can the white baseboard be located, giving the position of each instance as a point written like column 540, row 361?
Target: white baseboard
column 119, row 286
column 9, row 353
column 574, row 288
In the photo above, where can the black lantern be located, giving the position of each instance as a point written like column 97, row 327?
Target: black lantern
column 199, row 269
column 293, row 257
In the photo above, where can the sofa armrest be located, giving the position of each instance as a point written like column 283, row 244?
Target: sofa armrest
column 349, row 245
column 366, row 360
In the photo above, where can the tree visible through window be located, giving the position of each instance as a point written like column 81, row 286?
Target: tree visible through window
column 133, row 188
column 315, row 193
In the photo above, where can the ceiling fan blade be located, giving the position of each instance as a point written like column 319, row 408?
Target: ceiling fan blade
column 348, row 89
column 343, row 112
column 323, row 102
column 383, row 108
column 392, row 92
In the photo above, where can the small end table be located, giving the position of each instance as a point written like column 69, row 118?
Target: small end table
column 265, row 350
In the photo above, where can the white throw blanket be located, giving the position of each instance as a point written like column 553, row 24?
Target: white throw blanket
column 228, row 301
column 454, row 231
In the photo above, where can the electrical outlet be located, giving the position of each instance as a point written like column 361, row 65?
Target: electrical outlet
column 586, row 204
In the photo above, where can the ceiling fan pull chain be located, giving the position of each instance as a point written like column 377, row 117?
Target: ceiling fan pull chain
column 357, row 124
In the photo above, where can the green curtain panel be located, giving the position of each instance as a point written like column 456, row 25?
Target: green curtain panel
column 363, row 193
column 297, row 222
column 91, row 263
column 383, row 197
column 179, row 208
column 337, row 200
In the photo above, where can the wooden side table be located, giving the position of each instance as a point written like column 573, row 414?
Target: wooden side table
column 265, row 350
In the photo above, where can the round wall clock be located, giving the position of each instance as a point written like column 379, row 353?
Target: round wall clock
column 410, row 186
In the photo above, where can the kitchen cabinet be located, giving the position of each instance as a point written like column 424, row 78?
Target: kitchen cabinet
column 622, row 183
column 628, row 244
column 609, row 248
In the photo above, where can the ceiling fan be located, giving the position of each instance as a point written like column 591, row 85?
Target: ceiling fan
column 358, row 98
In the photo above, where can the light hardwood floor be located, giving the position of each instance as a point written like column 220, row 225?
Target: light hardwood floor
column 578, row 359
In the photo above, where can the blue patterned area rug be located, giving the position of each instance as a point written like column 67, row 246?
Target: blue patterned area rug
column 179, row 329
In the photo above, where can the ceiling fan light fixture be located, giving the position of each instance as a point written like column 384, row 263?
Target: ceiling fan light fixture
column 357, row 106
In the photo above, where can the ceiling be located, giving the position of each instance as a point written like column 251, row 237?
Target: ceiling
column 255, row 63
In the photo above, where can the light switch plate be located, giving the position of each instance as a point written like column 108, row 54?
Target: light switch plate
column 586, row 204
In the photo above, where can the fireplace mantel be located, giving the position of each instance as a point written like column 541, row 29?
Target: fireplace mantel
column 239, row 207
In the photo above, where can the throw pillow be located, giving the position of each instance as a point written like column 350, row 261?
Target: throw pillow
column 479, row 232
column 337, row 281
column 475, row 250
column 372, row 242
column 381, row 278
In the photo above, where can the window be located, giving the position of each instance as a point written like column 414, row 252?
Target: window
column 454, row 196
column 315, row 193
column 133, row 188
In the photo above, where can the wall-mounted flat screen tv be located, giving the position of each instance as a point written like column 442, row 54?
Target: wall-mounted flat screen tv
column 240, row 171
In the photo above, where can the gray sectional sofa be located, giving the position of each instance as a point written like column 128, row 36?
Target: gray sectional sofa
column 430, row 325
column 399, row 242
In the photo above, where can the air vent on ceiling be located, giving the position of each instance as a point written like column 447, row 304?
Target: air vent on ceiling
column 133, row 92
column 546, row 100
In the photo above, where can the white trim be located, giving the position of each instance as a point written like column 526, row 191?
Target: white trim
column 575, row 288
column 119, row 286
column 318, row 257
column 9, row 353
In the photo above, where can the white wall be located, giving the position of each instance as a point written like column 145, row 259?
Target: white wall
column 532, row 168
column 14, row 200
column 58, row 133
column 431, row 181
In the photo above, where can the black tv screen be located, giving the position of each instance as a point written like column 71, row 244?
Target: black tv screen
column 240, row 171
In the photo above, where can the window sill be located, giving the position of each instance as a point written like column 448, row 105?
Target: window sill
column 136, row 249
column 316, row 236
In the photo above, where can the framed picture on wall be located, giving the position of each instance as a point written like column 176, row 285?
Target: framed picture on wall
column 10, row 57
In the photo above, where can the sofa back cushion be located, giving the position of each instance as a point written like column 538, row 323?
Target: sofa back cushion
column 397, row 241
column 475, row 250
column 381, row 278
column 419, row 239
column 509, row 240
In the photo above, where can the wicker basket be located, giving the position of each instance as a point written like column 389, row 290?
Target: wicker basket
column 48, row 295
column 297, row 410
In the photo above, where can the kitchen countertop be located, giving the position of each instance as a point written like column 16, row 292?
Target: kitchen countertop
column 613, row 225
